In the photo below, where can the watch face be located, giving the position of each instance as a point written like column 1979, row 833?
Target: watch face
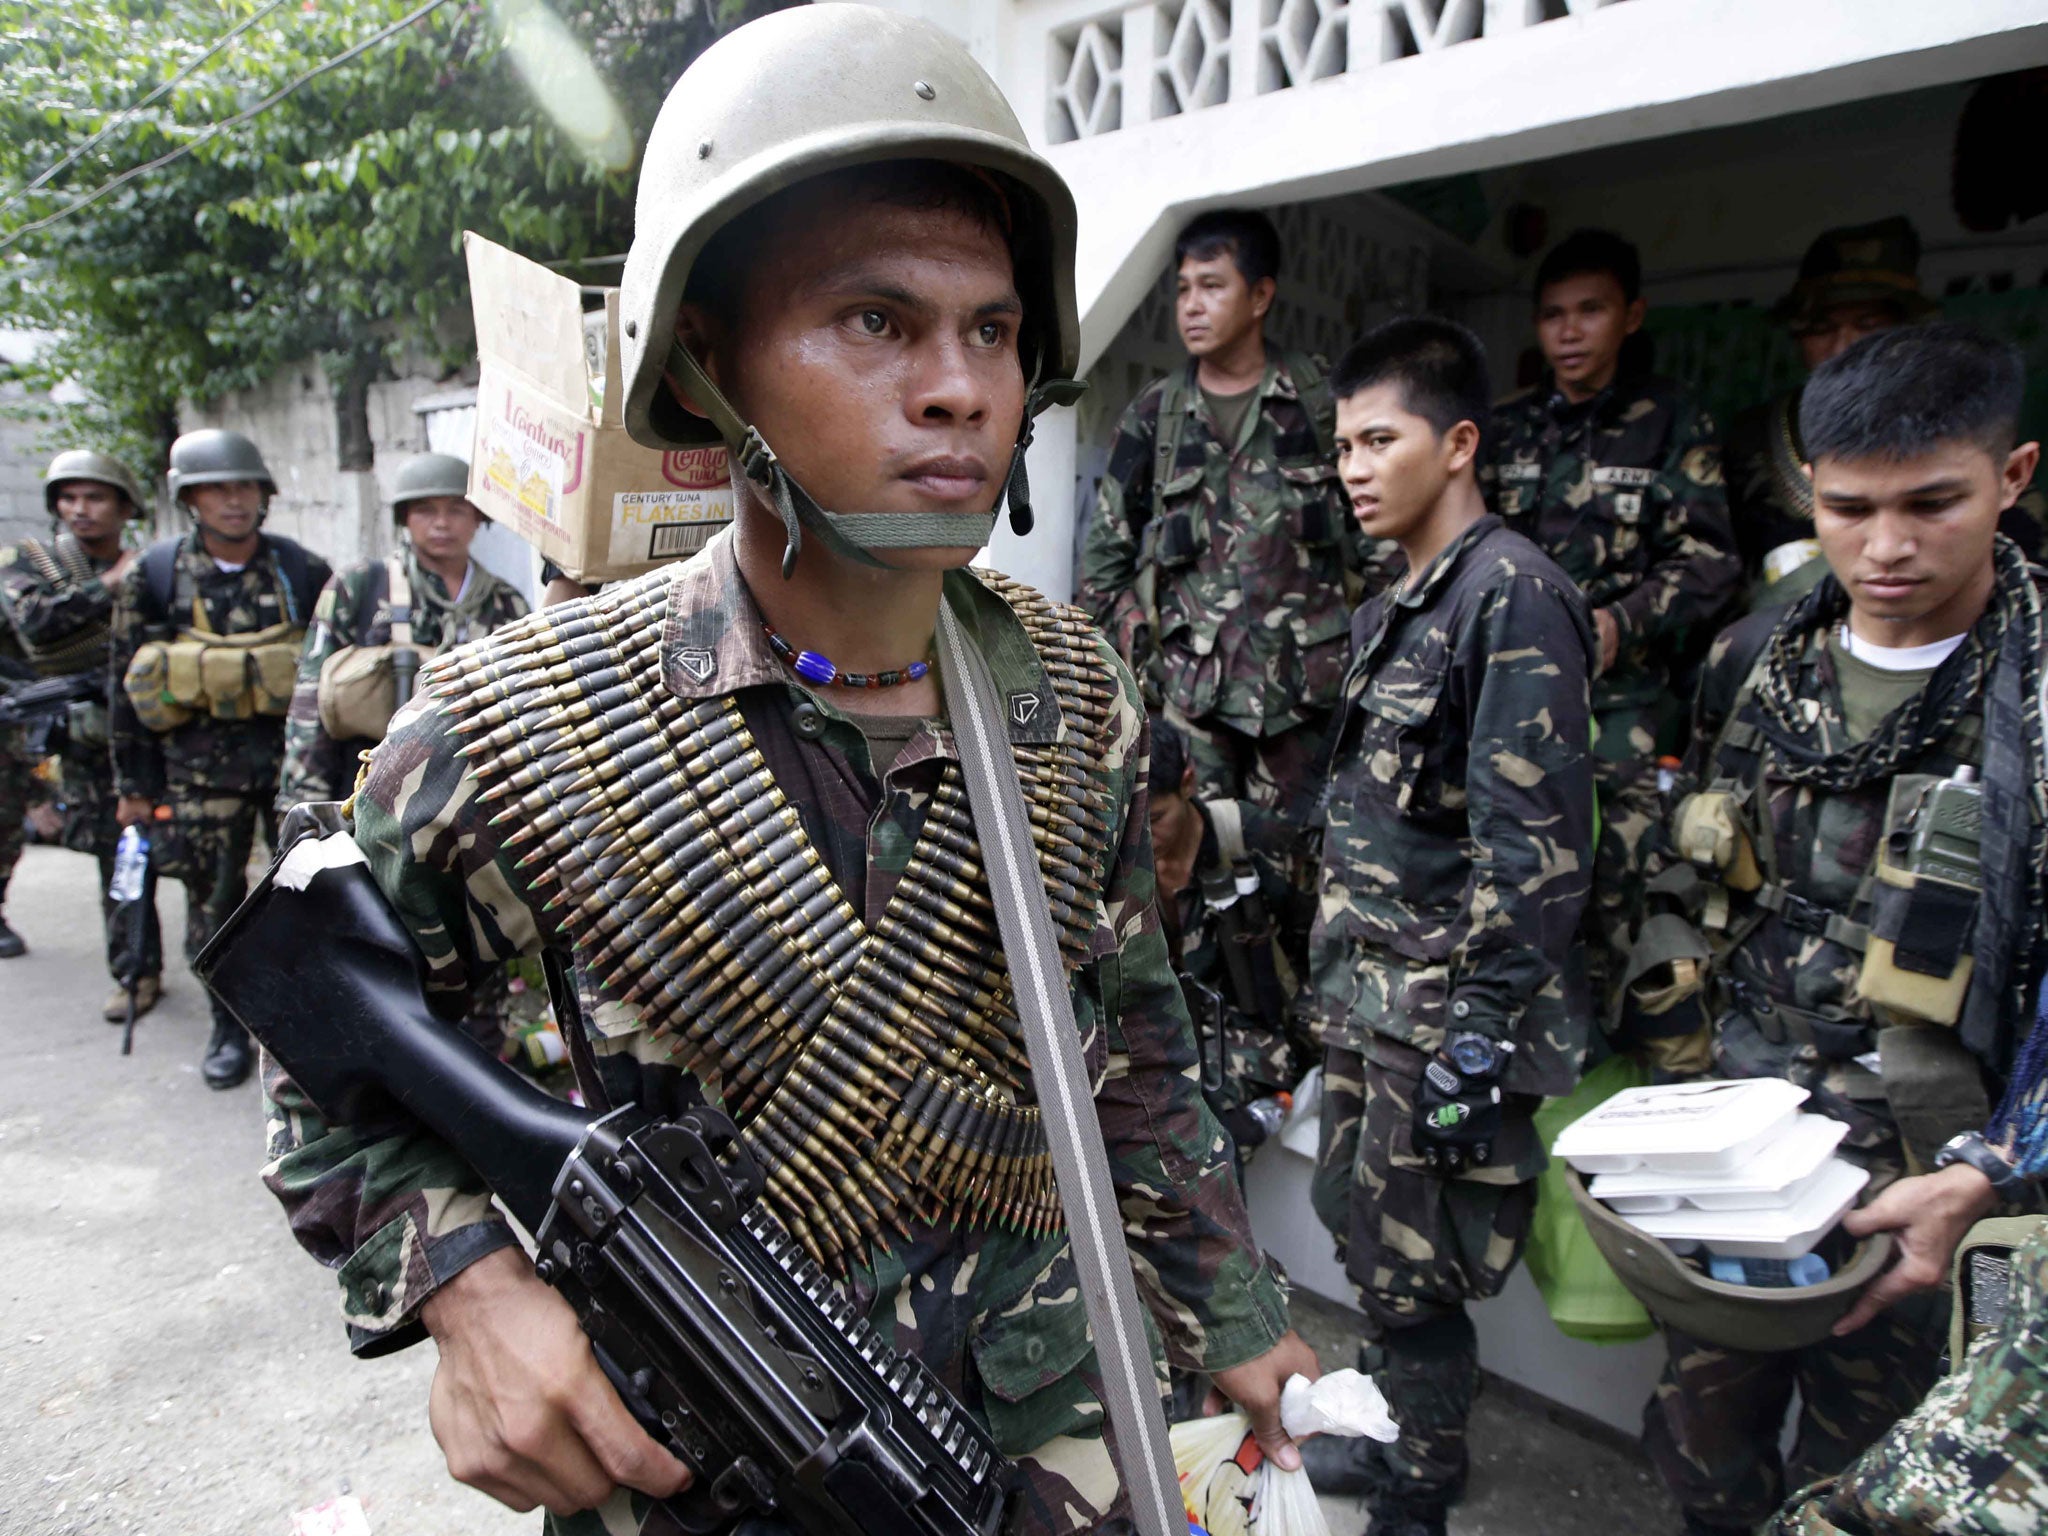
column 1473, row 1055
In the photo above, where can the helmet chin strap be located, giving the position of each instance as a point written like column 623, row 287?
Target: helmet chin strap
column 855, row 536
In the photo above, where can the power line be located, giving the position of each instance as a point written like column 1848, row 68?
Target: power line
column 13, row 237
column 128, row 114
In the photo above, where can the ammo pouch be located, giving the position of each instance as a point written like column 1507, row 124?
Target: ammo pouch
column 230, row 677
column 1933, row 1084
column 359, row 689
column 1985, row 1280
column 1713, row 836
column 1923, row 899
column 1174, row 543
column 85, row 723
column 1664, row 988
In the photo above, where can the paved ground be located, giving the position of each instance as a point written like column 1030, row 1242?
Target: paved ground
column 171, row 1363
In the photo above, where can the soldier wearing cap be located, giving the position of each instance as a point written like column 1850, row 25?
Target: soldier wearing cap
column 1852, row 283
column 207, row 628
column 425, row 597
column 851, row 267
column 57, row 596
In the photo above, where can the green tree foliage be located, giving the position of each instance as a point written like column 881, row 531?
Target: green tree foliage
column 329, row 224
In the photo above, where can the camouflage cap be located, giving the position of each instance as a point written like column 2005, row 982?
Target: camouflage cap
column 84, row 464
column 1858, row 264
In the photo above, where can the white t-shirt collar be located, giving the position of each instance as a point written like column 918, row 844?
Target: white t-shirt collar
column 1899, row 658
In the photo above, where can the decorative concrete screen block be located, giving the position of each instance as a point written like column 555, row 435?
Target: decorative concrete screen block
column 1087, row 76
column 1193, row 70
column 1303, row 40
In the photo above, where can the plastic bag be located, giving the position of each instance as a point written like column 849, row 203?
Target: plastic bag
column 1345, row 1402
column 1286, row 1505
column 1231, row 1489
column 1585, row 1297
column 1218, row 1461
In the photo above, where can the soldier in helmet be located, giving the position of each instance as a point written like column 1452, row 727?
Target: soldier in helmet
column 850, row 266
column 58, row 597
column 206, row 635
column 1865, row 858
column 426, row 597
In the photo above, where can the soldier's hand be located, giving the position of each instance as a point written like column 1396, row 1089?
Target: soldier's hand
column 520, row 1406
column 134, row 810
column 1930, row 1214
column 1255, row 1388
column 1456, row 1116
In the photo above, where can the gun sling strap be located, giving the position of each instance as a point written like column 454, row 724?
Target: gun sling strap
column 1060, row 1078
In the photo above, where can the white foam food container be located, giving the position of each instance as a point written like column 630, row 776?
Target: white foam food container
column 1782, row 1233
column 1775, row 1176
column 1703, row 1127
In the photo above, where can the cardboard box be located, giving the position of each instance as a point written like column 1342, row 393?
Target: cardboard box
column 552, row 461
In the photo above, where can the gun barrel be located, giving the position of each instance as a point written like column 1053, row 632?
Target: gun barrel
column 319, row 969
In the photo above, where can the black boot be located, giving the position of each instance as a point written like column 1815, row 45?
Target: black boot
column 11, row 943
column 1344, row 1466
column 1398, row 1517
column 228, row 1056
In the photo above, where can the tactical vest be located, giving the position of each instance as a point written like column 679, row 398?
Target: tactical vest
column 362, row 686
column 202, row 672
column 65, row 565
column 880, row 1074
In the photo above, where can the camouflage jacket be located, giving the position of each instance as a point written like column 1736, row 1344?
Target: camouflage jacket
column 1257, row 1057
column 1458, row 851
column 61, row 612
column 1256, row 557
column 238, row 756
column 355, row 609
column 998, row 1314
column 1624, row 492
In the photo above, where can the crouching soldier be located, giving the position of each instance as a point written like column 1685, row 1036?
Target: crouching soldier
column 206, row 635
column 1862, row 804
column 861, row 289
column 1455, row 871
column 58, row 596
column 376, row 624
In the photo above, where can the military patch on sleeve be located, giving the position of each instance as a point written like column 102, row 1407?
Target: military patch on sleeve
column 1623, row 474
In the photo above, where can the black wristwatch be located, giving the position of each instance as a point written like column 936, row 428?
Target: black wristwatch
column 1476, row 1055
column 1972, row 1148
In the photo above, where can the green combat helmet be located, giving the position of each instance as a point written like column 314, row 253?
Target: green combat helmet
column 1753, row 1317
column 213, row 455
column 428, row 474
column 84, row 464
column 794, row 95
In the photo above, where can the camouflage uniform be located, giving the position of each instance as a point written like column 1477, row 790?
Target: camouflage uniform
column 355, row 609
column 18, row 787
column 52, row 594
column 1972, row 1459
column 1257, row 561
column 996, row 1313
column 1787, row 959
column 1249, row 1031
column 1454, row 878
column 218, row 777
column 1624, row 492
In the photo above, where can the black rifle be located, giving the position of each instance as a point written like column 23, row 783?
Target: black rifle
column 44, row 705
column 724, row 1340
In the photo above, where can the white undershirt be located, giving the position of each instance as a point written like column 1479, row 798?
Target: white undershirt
column 230, row 569
column 1900, row 658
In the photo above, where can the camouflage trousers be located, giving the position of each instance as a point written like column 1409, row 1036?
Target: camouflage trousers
column 1972, row 1459
column 1631, row 812
column 205, row 846
column 1278, row 771
column 1418, row 1245
column 18, row 791
column 1712, row 1428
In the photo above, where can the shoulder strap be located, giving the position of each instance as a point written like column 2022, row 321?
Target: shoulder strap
column 160, row 573
column 1167, row 432
column 297, row 572
column 1227, row 817
column 1073, row 1131
column 1308, row 378
column 400, row 592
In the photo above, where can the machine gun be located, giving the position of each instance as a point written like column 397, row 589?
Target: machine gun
column 730, row 1346
column 44, row 706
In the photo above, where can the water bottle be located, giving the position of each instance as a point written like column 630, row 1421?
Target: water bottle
column 1807, row 1269
column 131, row 865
